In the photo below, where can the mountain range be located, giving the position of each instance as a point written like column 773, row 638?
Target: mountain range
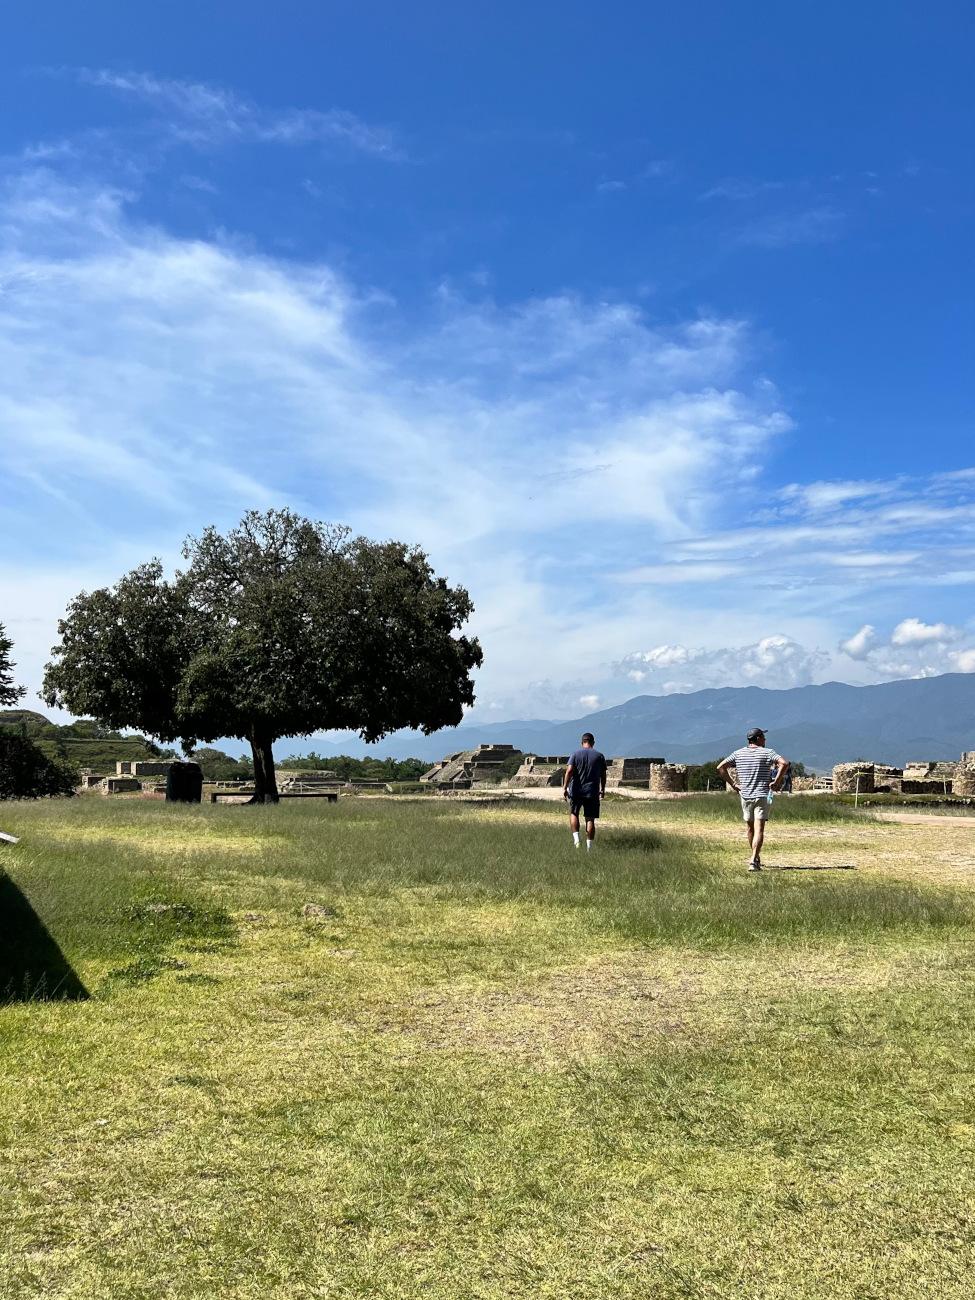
column 893, row 722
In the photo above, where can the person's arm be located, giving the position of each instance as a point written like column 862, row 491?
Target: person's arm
column 602, row 779
column 783, row 767
column 725, row 773
column 567, row 778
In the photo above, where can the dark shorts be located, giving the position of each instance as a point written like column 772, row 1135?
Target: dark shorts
column 588, row 807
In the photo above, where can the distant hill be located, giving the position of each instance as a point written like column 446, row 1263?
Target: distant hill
column 83, row 743
column 926, row 718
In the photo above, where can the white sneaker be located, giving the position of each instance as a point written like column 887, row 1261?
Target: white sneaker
column 754, row 865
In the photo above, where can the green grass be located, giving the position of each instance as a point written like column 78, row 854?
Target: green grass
column 489, row 1066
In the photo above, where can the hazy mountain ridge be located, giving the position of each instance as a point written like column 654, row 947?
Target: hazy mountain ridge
column 891, row 722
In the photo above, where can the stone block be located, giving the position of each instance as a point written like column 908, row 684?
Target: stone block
column 849, row 778
column 120, row 784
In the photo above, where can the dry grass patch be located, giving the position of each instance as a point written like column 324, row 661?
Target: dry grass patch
column 620, row 1003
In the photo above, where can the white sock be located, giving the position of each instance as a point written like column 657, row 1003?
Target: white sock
column 575, row 838
column 589, row 844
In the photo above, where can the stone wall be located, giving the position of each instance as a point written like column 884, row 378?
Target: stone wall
column 668, row 778
column 630, row 771
column 939, row 786
column 929, row 771
column 848, row 778
column 964, row 782
column 120, row 785
column 151, row 767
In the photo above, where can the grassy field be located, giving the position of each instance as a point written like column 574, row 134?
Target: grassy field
column 483, row 1064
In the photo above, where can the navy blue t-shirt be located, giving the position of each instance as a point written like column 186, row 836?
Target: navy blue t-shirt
column 588, row 773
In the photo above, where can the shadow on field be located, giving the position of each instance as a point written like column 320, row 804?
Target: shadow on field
column 32, row 966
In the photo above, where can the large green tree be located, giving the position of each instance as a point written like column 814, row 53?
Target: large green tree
column 280, row 627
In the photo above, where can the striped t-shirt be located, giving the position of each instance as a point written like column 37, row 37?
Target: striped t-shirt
column 756, row 767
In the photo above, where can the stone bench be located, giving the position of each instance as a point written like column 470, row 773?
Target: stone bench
column 331, row 795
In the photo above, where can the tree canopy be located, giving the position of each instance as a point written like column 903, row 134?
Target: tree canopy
column 282, row 626
column 9, row 693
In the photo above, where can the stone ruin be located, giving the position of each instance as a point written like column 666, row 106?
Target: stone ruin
column 549, row 770
column 918, row 777
column 668, row 778
column 540, row 770
column 485, row 765
column 469, row 768
column 120, row 785
column 143, row 767
column 854, row 778
column 631, row 771
column 299, row 782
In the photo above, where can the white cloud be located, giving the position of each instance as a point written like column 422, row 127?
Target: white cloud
column 912, row 631
column 589, row 701
column 774, row 661
column 913, row 649
column 860, row 643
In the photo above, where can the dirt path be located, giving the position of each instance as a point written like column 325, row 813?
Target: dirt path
column 922, row 819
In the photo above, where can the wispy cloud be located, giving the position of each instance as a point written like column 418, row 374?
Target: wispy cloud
column 207, row 116
column 166, row 382
column 738, row 190
column 816, row 225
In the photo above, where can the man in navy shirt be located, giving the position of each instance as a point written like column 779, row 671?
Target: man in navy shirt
column 584, row 785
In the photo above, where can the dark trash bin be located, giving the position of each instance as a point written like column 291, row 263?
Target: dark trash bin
column 184, row 783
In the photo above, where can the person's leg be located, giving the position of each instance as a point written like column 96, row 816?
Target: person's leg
column 590, row 832
column 761, row 816
column 574, row 827
column 752, row 832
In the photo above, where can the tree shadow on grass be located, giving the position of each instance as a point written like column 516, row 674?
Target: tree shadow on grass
column 32, row 966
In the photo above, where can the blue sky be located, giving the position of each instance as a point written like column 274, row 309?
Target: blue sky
column 653, row 324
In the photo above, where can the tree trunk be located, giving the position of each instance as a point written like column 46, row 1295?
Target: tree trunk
column 265, row 783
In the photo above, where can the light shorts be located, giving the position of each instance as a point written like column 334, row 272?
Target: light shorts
column 758, row 809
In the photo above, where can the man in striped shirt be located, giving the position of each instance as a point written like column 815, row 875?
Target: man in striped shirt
column 758, row 771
